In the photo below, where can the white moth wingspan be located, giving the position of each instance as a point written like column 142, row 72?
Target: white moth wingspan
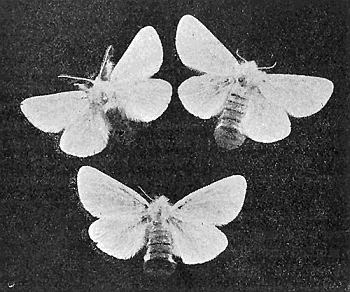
column 126, row 86
column 241, row 95
column 187, row 229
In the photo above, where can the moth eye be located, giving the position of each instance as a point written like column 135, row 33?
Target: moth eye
column 241, row 79
column 145, row 219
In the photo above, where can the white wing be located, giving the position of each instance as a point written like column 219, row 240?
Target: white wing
column 120, row 232
column 53, row 112
column 105, row 197
column 87, row 135
column 142, row 59
column 216, row 204
column 199, row 49
column 118, row 238
column 196, row 243
column 141, row 98
column 204, row 96
column 143, row 101
column 299, row 95
column 196, row 239
column 264, row 121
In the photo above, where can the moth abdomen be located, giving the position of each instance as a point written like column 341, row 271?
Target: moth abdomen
column 159, row 257
column 227, row 134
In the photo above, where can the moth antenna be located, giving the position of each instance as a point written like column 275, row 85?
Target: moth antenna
column 145, row 193
column 108, row 55
column 240, row 56
column 267, row 68
column 76, row 78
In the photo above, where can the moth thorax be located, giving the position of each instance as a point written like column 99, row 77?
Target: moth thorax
column 159, row 258
column 100, row 93
column 227, row 131
column 99, row 98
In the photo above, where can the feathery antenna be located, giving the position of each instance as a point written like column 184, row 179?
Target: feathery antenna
column 240, row 56
column 76, row 78
column 145, row 193
column 107, row 57
column 267, row 68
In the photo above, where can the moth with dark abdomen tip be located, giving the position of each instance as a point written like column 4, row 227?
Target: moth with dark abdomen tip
column 127, row 222
column 246, row 100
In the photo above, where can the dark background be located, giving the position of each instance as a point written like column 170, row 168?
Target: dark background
column 292, row 233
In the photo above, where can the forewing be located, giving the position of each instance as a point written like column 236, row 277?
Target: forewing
column 142, row 59
column 299, row 95
column 196, row 243
column 265, row 121
column 53, row 112
column 144, row 100
column 87, row 135
column 118, row 238
column 105, row 197
column 204, row 96
column 217, row 204
column 199, row 49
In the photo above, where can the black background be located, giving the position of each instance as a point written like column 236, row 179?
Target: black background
column 292, row 232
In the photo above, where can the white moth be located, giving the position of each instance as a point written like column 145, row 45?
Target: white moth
column 127, row 222
column 126, row 86
column 246, row 100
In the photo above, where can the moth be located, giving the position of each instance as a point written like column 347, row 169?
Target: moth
column 127, row 222
column 125, row 86
column 246, row 101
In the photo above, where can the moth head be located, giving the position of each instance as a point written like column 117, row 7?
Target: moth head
column 100, row 92
column 248, row 72
column 159, row 209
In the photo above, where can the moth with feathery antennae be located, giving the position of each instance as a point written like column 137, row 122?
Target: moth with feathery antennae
column 127, row 222
column 126, row 86
column 247, row 101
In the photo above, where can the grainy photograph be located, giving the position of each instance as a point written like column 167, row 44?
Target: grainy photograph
column 175, row 146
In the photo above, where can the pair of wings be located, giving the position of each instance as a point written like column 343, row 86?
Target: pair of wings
column 277, row 96
column 86, row 129
column 120, row 231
